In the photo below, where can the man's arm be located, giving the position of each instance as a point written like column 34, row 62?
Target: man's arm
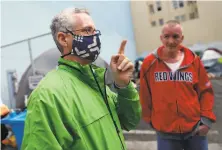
column 44, row 129
column 206, row 96
column 129, row 109
column 128, row 106
column 145, row 95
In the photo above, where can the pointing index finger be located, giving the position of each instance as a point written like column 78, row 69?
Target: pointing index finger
column 122, row 47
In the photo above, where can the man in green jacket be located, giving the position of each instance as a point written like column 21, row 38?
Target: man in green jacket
column 72, row 108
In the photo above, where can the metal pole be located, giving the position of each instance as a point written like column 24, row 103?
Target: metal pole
column 11, row 89
column 29, row 46
column 17, row 42
column 31, row 58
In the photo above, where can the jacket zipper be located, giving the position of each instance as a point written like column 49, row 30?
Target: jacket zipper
column 175, row 88
column 183, row 67
column 176, row 100
column 107, row 103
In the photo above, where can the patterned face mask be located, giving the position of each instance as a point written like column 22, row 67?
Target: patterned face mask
column 86, row 47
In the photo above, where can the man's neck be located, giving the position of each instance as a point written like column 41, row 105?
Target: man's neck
column 172, row 55
column 77, row 59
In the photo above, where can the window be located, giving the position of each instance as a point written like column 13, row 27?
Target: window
column 175, row 4
column 161, row 22
column 196, row 13
column 151, row 9
column 181, row 4
column 177, row 18
column 158, row 5
column 178, row 4
column 192, row 15
column 153, row 23
column 183, row 18
column 191, row 2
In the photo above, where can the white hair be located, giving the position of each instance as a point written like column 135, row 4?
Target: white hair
column 63, row 21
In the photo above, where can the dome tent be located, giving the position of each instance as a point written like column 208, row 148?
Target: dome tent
column 43, row 64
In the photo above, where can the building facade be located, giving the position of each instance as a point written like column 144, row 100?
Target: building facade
column 201, row 21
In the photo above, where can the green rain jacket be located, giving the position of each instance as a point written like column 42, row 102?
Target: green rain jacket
column 69, row 110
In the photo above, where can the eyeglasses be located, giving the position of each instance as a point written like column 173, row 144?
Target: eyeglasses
column 86, row 30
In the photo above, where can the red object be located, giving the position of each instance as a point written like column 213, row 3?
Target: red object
column 174, row 103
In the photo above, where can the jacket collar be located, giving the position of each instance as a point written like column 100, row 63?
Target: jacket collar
column 189, row 56
column 86, row 73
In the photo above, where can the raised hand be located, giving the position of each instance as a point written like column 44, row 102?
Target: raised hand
column 121, row 67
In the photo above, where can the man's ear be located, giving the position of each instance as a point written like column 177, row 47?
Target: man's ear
column 161, row 37
column 61, row 37
column 182, row 38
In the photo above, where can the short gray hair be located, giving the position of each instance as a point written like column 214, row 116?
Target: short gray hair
column 173, row 23
column 63, row 21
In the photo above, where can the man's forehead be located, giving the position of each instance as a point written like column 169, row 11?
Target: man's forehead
column 83, row 20
column 169, row 28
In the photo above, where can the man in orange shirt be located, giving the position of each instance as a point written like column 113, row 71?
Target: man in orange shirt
column 176, row 95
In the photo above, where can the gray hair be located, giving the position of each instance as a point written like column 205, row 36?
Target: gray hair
column 63, row 21
column 174, row 22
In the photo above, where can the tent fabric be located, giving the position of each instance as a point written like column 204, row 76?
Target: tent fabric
column 43, row 64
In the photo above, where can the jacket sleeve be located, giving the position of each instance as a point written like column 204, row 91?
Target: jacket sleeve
column 145, row 96
column 128, row 106
column 206, row 96
column 44, row 129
